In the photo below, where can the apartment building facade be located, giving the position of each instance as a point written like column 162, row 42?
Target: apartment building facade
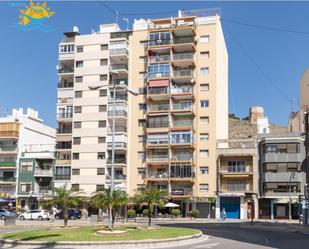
column 19, row 133
column 237, row 178
column 282, row 174
column 165, row 137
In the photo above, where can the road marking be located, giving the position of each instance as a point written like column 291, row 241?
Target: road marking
column 206, row 245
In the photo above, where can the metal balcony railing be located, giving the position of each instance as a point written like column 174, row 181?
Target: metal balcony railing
column 179, row 123
column 118, row 113
column 65, row 100
column 182, row 175
column 183, row 40
column 157, row 141
column 159, row 58
column 155, row 174
column 65, row 84
column 182, row 140
column 119, row 82
column 180, row 90
column 43, row 172
column 118, row 67
column 159, row 107
column 116, row 177
column 118, row 129
column 158, row 74
column 158, row 124
column 66, row 70
column 157, row 158
column 182, row 157
column 183, row 107
column 117, row 161
column 183, row 73
column 183, row 56
column 159, row 42
column 65, row 115
column 181, row 191
column 118, row 51
column 8, row 179
column 158, row 90
column 118, row 145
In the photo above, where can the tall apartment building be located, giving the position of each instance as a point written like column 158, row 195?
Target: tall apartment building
column 166, row 136
column 20, row 134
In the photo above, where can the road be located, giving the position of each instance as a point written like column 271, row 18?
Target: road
column 241, row 236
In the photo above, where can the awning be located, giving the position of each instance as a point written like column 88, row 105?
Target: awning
column 158, row 83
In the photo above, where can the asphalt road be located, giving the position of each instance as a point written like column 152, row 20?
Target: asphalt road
column 240, row 236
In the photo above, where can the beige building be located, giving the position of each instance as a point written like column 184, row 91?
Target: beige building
column 166, row 136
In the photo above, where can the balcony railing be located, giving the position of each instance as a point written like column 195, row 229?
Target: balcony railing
column 116, row 177
column 119, row 82
column 157, row 141
column 181, row 191
column 182, row 175
column 65, row 100
column 65, row 115
column 117, row 161
column 43, row 172
column 65, row 84
column 180, row 123
column 66, row 70
column 118, row 67
column 180, row 90
column 64, row 131
column 118, row 129
column 183, row 40
column 67, row 40
column 118, row 113
column 62, row 177
column 182, row 157
column 118, row 51
column 183, row 73
column 183, row 56
column 182, row 140
column 158, row 74
column 9, row 133
column 235, row 187
column 118, row 145
column 158, row 42
column 159, row 58
column 159, row 107
column 157, row 158
column 8, row 179
column 183, row 107
column 158, row 124
column 155, row 174
column 158, row 90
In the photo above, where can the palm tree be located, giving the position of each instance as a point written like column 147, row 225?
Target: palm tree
column 152, row 197
column 113, row 201
column 65, row 198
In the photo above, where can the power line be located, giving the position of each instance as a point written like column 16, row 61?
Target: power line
column 265, row 27
column 260, row 69
column 148, row 14
column 107, row 7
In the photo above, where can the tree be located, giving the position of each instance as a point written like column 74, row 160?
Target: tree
column 64, row 199
column 113, row 201
column 152, row 197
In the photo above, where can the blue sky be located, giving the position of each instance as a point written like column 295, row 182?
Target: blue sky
column 28, row 59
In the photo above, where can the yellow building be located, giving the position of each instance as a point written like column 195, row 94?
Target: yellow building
column 166, row 136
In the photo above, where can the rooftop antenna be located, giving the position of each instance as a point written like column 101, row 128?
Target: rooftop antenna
column 126, row 19
column 117, row 16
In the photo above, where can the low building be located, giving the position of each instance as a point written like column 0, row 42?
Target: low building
column 282, row 174
column 237, row 189
column 19, row 132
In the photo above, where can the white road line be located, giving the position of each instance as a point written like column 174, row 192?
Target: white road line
column 206, row 245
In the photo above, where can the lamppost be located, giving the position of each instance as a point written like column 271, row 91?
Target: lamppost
column 92, row 88
column 292, row 174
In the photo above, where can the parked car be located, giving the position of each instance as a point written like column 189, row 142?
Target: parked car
column 34, row 215
column 6, row 213
column 73, row 214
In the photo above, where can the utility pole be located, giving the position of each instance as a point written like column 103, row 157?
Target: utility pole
column 290, row 209
column 305, row 203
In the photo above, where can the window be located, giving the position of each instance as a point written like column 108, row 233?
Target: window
column 142, row 139
column 26, row 167
column 75, row 156
column 77, row 109
column 204, row 170
column 103, row 77
column 102, row 123
column 159, row 70
column 204, row 38
column 103, row 62
column 75, row 187
column 204, row 55
column 77, row 125
column 79, row 49
column 204, row 70
column 103, row 93
column 100, row 171
column 101, row 155
column 204, row 153
column 76, row 172
column 142, row 90
column 76, row 140
column 63, row 173
column 79, row 64
column 142, row 75
column 204, row 87
column 102, row 108
column 204, row 103
column 236, row 166
column 204, row 137
column 79, row 79
column 142, row 59
column 100, row 187
column 142, row 106
column 142, row 122
column 104, row 47
column 101, row 140
column 78, row 94
column 66, row 49
column 141, row 155
column 25, row 187
column 204, row 187
column 204, row 120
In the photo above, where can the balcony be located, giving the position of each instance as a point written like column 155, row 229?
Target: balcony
column 117, row 129
column 236, row 187
column 65, row 84
column 157, row 158
column 158, row 107
column 284, row 177
column 183, row 60
column 153, row 75
column 118, row 145
column 184, row 92
column 159, row 42
column 62, row 162
column 183, row 157
column 184, row 44
column 179, row 192
column 158, row 124
column 119, row 82
column 157, row 175
column 9, row 134
column 64, row 131
column 65, row 101
column 11, row 179
column 159, row 58
column 118, row 113
column 117, row 161
column 116, row 177
column 282, row 157
column 63, row 177
column 43, row 172
column 66, row 70
column 181, row 108
column 118, row 52
column 65, row 115
column 67, row 40
column 120, row 69
column 158, row 141
column 8, row 149
column 8, row 164
column 183, row 124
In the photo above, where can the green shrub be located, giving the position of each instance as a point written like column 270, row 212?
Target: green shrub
column 146, row 212
column 175, row 212
column 195, row 213
column 131, row 213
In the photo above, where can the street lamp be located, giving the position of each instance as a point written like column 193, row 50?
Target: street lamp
column 92, row 88
column 292, row 174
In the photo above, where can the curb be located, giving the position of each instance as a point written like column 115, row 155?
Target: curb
column 109, row 244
